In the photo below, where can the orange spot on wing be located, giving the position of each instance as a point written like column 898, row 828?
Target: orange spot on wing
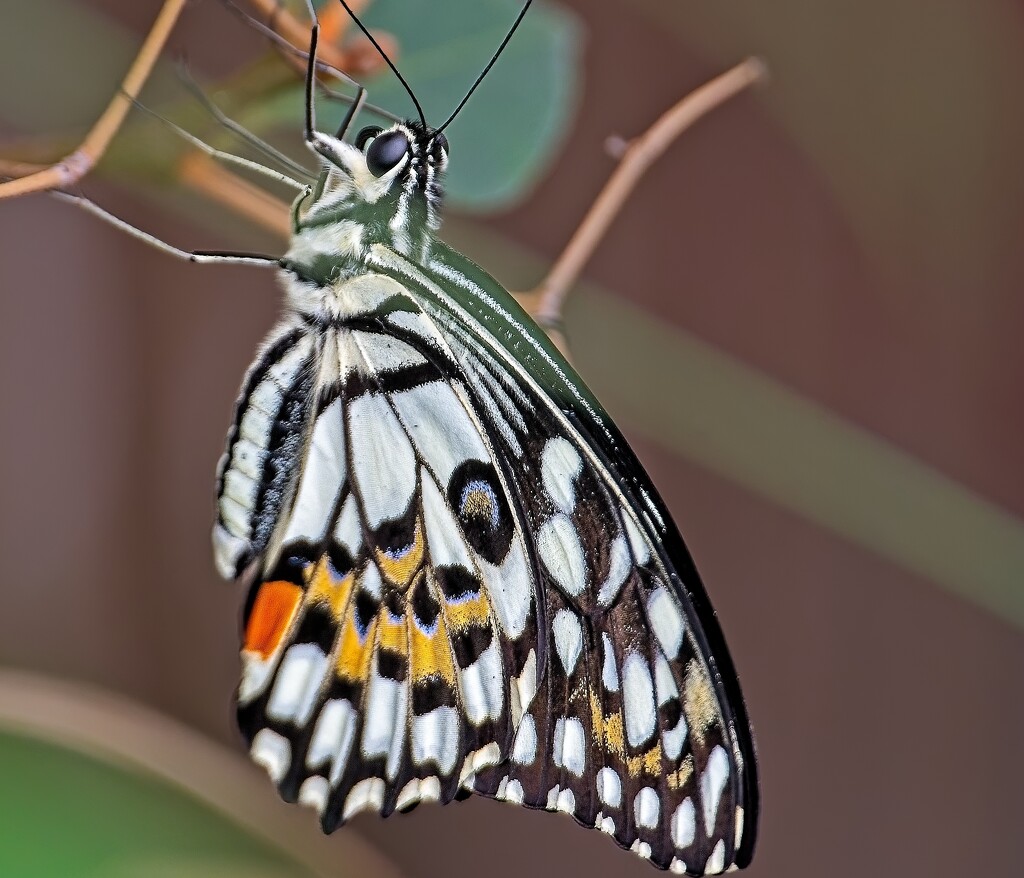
column 272, row 613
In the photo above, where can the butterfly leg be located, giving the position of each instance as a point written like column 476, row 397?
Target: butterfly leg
column 240, row 130
column 200, row 256
column 226, row 157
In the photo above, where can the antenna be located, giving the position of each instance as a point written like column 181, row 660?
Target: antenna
column 387, row 60
column 490, row 64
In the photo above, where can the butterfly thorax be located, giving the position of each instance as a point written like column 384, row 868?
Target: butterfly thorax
column 383, row 191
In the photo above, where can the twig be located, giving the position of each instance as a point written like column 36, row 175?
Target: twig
column 544, row 303
column 73, row 167
column 23, row 178
column 13, row 168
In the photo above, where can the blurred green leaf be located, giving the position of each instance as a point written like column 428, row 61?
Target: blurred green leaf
column 130, row 793
column 112, row 822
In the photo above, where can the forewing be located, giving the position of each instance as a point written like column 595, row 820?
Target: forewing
column 638, row 727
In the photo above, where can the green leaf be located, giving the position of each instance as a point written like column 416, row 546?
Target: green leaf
column 96, row 786
column 114, row 822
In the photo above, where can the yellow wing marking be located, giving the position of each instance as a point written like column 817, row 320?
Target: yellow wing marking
column 355, row 651
column 608, row 733
column 431, row 652
column 400, row 569
column 325, row 588
column 699, row 703
column 461, row 615
column 391, row 632
column 681, row 775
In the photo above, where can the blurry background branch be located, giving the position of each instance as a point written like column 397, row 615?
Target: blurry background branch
column 546, row 301
column 73, row 167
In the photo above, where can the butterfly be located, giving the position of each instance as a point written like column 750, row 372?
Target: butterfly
column 461, row 578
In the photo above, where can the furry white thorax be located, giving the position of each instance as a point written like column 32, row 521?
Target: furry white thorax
column 343, row 299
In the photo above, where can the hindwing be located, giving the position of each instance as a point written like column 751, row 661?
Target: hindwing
column 384, row 639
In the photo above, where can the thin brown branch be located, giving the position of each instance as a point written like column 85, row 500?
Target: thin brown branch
column 205, row 176
column 76, row 165
column 545, row 302
column 14, row 168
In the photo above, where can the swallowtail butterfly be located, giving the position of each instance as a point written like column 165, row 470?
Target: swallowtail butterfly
column 462, row 580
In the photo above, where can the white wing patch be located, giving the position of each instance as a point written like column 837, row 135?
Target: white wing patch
column 440, row 428
column 560, row 466
column 382, row 459
column 321, row 479
column 562, row 553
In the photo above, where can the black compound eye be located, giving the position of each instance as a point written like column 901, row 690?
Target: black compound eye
column 385, row 152
column 442, row 142
column 366, row 135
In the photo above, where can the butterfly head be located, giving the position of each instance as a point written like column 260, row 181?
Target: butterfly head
column 389, row 180
column 408, row 153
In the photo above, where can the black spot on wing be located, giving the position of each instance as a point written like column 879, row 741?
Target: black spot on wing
column 395, row 536
column 425, row 607
column 468, row 644
column 431, row 693
column 457, row 583
column 317, row 626
column 394, row 603
column 392, row 665
column 366, row 606
column 478, row 500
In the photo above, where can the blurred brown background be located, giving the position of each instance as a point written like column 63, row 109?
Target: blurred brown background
column 853, row 233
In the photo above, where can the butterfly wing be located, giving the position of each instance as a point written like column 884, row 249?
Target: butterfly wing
column 638, row 727
column 627, row 731
column 471, row 585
